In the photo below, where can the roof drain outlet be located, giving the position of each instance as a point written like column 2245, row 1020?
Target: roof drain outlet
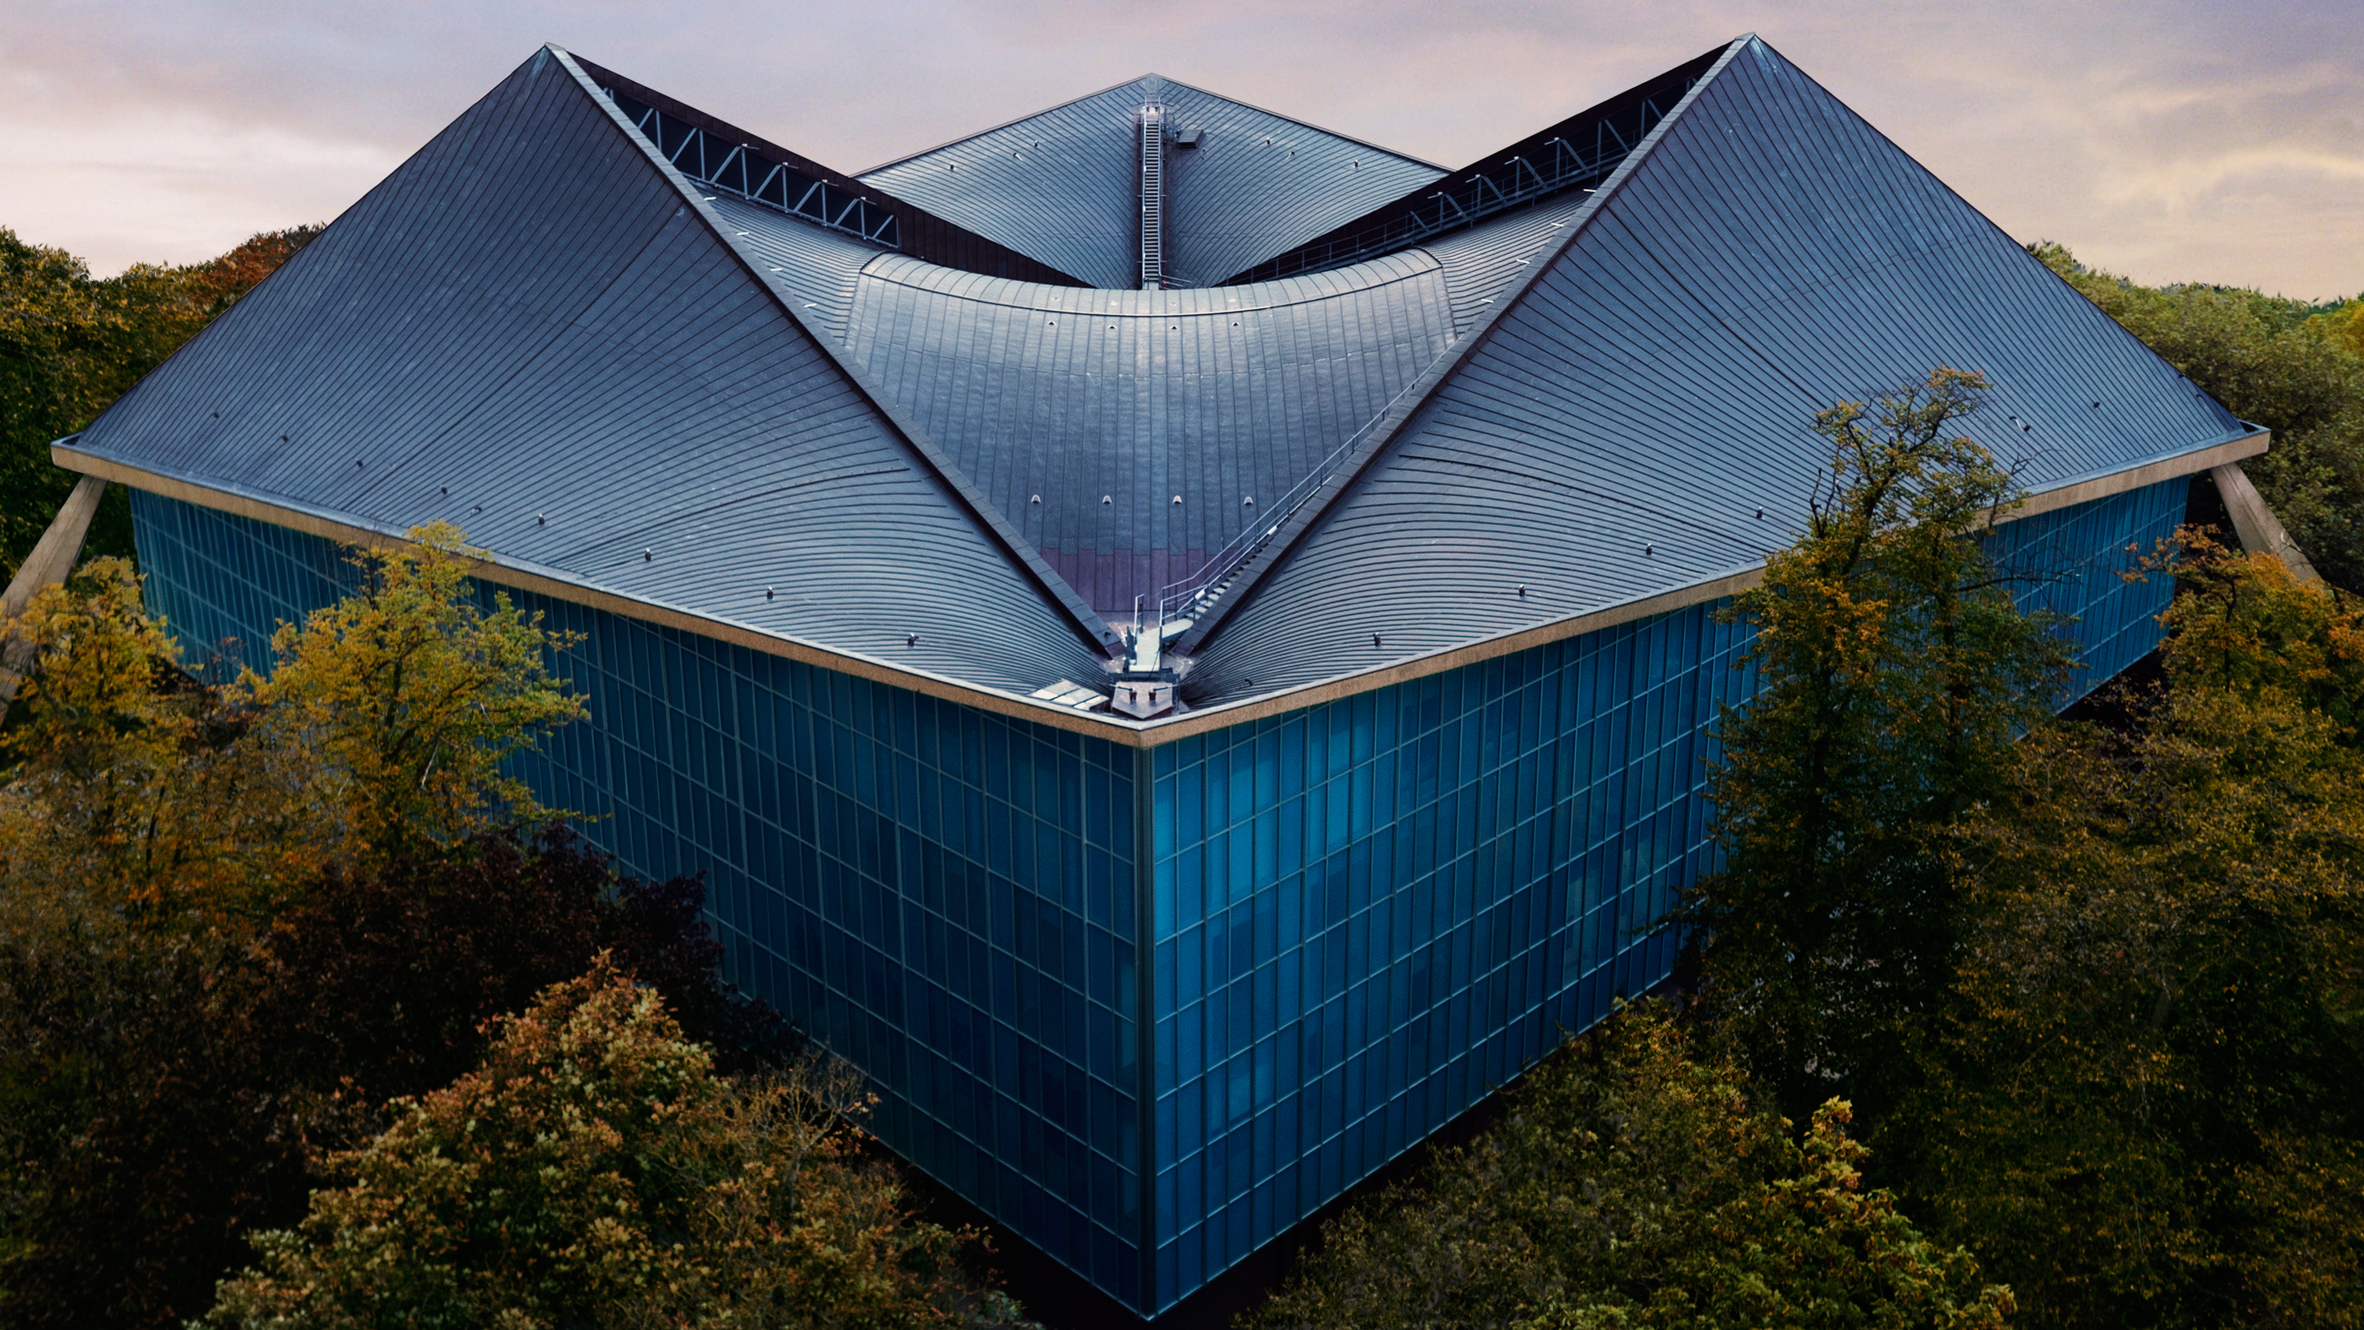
column 1153, row 196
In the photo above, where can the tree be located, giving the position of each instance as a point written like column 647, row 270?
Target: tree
column 70, row 344
column 410, row 696
column 595, row 1172
column 233, row 921
column 2141, row 1108
column 1637, row 1178
column 2342, row 326
column 162, row 1093
column 2274, row 361
column 2243, row 627
column 133, row 789
column 1895, row 670
column 383, row 729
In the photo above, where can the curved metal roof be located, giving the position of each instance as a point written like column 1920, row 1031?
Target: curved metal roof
column 628, row 380
column 1083, row 414
column 1130, row 433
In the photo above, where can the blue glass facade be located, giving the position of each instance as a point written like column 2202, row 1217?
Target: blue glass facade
column 1370, row 913
column 945, row 897
column 1148, row 1007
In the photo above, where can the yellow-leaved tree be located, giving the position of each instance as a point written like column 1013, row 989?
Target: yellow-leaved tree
column 133, row 792
column 594, row 1172
column 408, row 695
column 382, row 730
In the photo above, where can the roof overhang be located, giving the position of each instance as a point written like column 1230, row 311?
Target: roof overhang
column 559, row 585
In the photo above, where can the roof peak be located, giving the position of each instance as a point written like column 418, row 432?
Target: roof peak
column 1138, row 80
column 1225, row 589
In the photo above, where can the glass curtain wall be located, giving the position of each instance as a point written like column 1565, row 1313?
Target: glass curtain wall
column 1148, row 1008
column 1369, row 914
column 945, row 897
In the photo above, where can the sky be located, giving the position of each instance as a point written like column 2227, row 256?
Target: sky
column 2173, row 140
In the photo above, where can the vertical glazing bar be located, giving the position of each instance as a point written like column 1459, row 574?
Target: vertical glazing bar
column 1145, row 1022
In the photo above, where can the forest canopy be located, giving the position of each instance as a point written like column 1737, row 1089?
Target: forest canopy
column 71, row 343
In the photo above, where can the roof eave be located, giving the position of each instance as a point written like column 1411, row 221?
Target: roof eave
column 1132, row 733
column 2250, row 442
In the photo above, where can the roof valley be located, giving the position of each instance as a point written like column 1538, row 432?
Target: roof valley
column 728, row 408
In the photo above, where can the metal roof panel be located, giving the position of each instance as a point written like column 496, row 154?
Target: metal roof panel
column 1063, row 186
column 527, row 331
column 1054, row 399
column 1615, row 431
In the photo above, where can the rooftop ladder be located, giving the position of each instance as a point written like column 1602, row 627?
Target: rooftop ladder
column 1153, row 196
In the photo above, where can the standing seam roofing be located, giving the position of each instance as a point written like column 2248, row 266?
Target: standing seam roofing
column 1479, row 264
column 642, row 417
column 911, row 230
column 1053, row 399
column 537, row 328
column 1617, row 430
column 1063, row 185
column 814, row 269
column 1590, row 398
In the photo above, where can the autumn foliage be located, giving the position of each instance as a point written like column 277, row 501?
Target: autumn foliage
column 71, row 343
column 238, row 924
column 594, row 1171
column 1639, row 1177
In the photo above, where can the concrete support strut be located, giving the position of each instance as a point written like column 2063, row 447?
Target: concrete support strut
column 2260, row 532
column 52, row 560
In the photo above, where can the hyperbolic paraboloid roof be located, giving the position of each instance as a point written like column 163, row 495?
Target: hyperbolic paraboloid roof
column 924, row 421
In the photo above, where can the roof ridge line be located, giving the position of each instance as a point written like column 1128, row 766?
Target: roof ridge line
column 995, row 129
column 995, row 525
column 1416, row 396
column 763, row 149
column 1956, row 195
column 1396, row 153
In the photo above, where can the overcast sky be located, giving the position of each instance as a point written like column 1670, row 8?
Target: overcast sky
column 2180, row 140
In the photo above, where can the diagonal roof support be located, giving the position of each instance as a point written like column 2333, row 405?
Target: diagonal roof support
column 796, row 183
column 1499, row 181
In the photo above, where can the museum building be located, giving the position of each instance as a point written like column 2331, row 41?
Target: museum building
column 1183, row 642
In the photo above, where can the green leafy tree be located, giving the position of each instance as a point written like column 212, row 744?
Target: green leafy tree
column 70, row 344
column 1895, row 670
column 1637, row 1179
column 595, row 1172
column 2268, row 360
column 2342, row 326
column 2142, row 1108
column 410, row 696
column 133, row 789
column 162, row 1096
